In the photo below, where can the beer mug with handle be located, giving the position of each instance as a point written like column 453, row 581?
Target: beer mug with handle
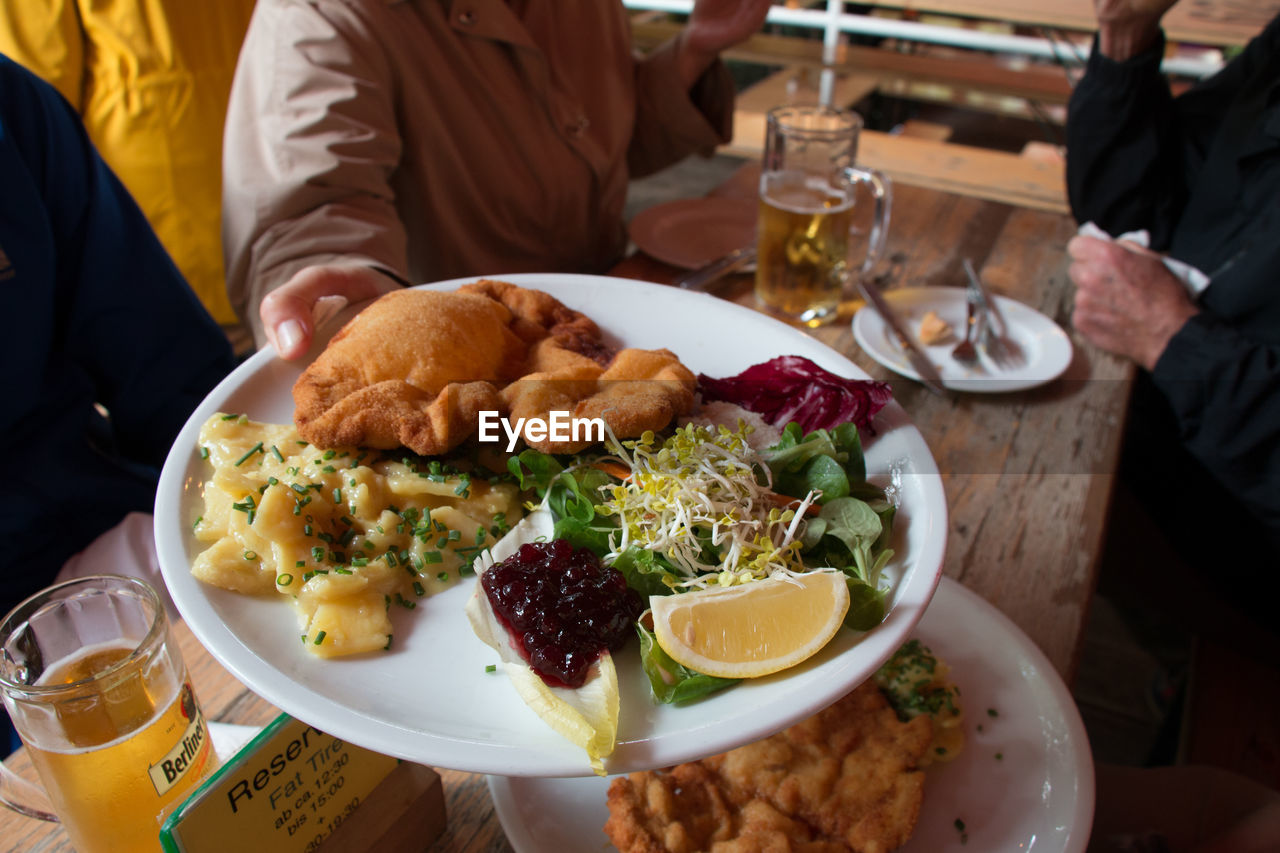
column 823, row 219
column 98, row 692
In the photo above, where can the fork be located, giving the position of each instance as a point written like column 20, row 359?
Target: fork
column 1002, row 349
column 965, row 352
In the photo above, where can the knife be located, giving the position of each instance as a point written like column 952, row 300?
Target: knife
column 929, row 375
column 700, row 278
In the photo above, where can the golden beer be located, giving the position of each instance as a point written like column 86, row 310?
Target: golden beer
column 99, row 695
column 809, row 243
column 132, row 747
column 802, row 245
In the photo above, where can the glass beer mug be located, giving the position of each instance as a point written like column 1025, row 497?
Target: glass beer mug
column 816, row 228
column 98, row 692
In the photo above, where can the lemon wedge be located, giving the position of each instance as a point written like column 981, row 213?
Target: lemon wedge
column 752, row 629
column 587, row 716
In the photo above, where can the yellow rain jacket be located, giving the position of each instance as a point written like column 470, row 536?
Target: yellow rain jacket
column 151, row 79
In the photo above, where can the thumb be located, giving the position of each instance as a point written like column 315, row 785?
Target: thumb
column 290, row 312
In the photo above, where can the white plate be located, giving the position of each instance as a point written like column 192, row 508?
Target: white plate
column 1046, row 345
column 430, row 700
column 1038, row 795
column 692, row 232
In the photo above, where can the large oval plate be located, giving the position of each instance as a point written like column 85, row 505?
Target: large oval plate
column 429, row 699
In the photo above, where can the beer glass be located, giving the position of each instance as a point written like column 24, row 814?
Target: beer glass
column 822, row 218
column 98, row 692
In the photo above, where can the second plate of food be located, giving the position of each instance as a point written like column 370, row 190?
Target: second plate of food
column 1047, row 347
column 1023, row 779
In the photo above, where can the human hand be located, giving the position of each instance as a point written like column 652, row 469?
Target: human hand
column 289, row 312
column 1128, row 27
column 713, row 26
column 1127, row 302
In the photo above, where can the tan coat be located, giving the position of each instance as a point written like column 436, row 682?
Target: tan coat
column 437, row 139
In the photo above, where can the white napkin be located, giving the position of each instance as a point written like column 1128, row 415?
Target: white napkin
column 1194, row 279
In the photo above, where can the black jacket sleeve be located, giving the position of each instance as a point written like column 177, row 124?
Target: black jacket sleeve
column 1200, row 172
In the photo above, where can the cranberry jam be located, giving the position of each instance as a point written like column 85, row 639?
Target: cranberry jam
column 563, row 607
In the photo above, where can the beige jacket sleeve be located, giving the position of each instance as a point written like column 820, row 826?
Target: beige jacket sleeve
column 672, row 121
column 310, row 144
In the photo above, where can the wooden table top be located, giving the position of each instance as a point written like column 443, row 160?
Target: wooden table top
column 1212, row 22
column 1028, row 475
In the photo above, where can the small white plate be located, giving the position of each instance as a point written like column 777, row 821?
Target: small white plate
column 1024, row 780
column 1047, row 347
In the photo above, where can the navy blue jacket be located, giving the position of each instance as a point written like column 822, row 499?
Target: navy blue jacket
column 93, row 312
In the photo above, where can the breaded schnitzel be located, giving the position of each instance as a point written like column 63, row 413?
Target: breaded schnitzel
column 416, row 367
column 847, row 778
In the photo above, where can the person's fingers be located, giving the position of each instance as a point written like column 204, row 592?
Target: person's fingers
column 291, row 312
column 286, row 318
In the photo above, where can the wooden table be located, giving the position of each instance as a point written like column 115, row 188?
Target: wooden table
column 1028, row 475
column 1213, row 22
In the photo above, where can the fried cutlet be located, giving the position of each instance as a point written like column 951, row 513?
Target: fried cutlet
column 686, row 810
column 846, row 778
column 638, row 390
column 417, row 367
column 414, row 368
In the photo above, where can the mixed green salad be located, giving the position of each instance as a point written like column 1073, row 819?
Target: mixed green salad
column 699, row 507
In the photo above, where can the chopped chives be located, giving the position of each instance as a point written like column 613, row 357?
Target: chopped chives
column 418, row 588
column 204, row 453
column 493, row 667
column 432, row 557
column 442, row 576
column 251, row 555
column 257, row 448
column 317, row 553
column 319, row 638
column 285, row 579
column 275, row 451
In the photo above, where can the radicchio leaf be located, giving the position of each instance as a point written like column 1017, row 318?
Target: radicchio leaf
column 792, row 388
